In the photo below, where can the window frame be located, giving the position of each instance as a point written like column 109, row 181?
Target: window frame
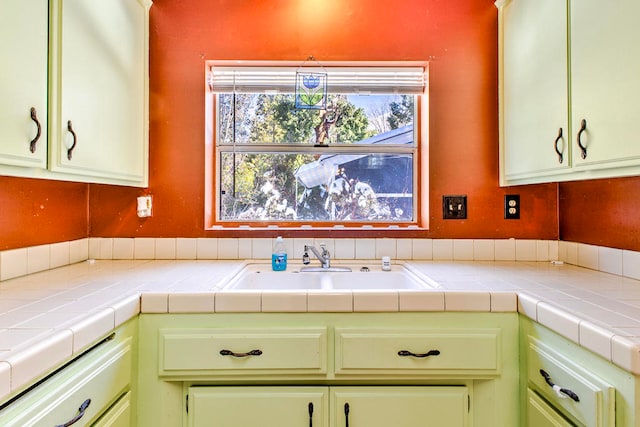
column 420, row 163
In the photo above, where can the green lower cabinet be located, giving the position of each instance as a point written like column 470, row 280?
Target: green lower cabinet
column 304, row 369
column 286, row 406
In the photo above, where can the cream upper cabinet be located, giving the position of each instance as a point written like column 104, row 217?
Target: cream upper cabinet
column 78, row 77
column 535, row 111
column 23, row 83
column 564, row 64
column 605, row 83
column 98, row 77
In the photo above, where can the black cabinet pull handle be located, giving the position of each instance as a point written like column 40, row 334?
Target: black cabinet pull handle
column 583, row 149
column 310, row 414
column 231, row 353
column 558, row 152
column 346, row 414
column 559, row 390
column 427, row 354
column 81, row 410
column 75, row 140
column 34, row 117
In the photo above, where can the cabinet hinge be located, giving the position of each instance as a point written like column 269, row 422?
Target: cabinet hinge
column 187, row 403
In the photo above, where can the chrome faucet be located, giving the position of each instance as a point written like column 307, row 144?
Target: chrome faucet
column 324, row 257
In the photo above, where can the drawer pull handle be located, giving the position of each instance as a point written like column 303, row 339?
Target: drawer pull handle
column 583, row 149
column 427, row 354
column 34, row 117
column 558, row 152
column 80, row 414
column 310, row 414
column 560, row 391
column 250, row 353
column 346, row 414
column 75, row 140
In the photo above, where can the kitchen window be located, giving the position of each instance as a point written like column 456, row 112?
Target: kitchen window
column 353, row 163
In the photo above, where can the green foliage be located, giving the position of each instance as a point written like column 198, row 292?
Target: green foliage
column 401, row 112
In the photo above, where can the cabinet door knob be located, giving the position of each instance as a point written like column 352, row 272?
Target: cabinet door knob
column 34, row 141
column 247, row 354
column 75, row 140
column 583, row 149
column 81, row 410
column 560, row 391
column 558, row 151
column 405, row 353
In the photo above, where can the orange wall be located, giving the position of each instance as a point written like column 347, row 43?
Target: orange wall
column 460, row 37
column 602, row 212
column 35, row 212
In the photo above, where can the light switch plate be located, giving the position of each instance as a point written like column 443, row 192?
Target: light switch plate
column 454, row 207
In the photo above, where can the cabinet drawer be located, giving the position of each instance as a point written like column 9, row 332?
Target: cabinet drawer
column 101, row 376
column 410, row 351
column 248, row 351
column 119, row 415
column 541, row 414
column 594, row 402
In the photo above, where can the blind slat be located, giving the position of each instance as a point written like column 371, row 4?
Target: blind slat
column 374, row 80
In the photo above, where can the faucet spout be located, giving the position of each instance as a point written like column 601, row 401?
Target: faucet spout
column 324, row 257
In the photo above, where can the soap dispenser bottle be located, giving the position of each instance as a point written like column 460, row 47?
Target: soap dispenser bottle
column 279, row 255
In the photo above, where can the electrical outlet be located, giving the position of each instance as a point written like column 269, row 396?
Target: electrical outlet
column 512, row 206
column 454, row 207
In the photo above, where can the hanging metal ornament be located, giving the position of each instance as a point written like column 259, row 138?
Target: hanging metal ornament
column 311, row 87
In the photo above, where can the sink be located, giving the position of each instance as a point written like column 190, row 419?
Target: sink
column 259, row 276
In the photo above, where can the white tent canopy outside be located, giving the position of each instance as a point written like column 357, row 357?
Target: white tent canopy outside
column 323, row 170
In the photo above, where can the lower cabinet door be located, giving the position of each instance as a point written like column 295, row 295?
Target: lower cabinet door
column 400, row 406
column 541, row 414
column 273, row 406
column 258, row 406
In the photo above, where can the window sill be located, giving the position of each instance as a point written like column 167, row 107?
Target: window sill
column 340, row 231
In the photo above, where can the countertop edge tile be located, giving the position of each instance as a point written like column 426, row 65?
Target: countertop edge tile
column 559, row 320
column 29, row 364
column 626, row 353
column 5, row 378
column 95, row 325
column 192, row 302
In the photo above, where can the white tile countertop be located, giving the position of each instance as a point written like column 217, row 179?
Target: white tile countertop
column 48, row 317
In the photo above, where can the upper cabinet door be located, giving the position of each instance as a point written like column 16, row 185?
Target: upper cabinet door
column 605, row 81
column 23, row 83
column 535, row 110
column 99, row 79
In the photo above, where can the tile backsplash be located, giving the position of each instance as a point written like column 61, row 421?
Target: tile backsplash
column 23, row 261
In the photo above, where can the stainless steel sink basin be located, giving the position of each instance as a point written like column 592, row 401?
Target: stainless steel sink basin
column 259, row 276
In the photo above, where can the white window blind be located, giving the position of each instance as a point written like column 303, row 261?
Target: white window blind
column 354, row 80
